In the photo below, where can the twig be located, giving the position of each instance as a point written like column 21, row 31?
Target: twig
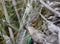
column 33, row 19
column 48, row 7
column 53, row 28
column 21, row 37
column 57, row 9
column 7, row 19
column 14, row 5
column 50, row 24
column 36, row 35
column 59, row 37
column 27, row 10
column 54, row 3
column 26, row 13
column 9, row 25
column 42, row 15
column 7, row 39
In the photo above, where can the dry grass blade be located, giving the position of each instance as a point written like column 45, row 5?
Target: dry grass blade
column 35, row 33
column 7, row 19
column 30, row 21
column 14, row 5
column 51, row 9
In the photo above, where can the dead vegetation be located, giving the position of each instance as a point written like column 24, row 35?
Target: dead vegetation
column 29, row 21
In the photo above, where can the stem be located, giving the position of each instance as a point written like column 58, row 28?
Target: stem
column 48, row 7
column 7, row 39
column 14, row 4
column 7, row 19
column 42, row 15
column 59, row 36
column 36, row 34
